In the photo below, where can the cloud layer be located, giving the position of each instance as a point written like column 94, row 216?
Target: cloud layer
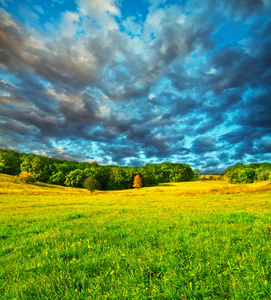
column 180, row 82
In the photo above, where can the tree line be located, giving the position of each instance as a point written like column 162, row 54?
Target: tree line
column 241, row 173
column 74, row 174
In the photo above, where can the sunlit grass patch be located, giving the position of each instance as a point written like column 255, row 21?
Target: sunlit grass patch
column 199, row 187
column 9, row 185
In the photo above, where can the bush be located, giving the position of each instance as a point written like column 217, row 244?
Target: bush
column 26, row 177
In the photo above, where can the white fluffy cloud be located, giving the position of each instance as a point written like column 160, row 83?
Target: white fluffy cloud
column 101, row 11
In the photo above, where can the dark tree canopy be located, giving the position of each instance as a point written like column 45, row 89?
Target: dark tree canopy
column 92, row 184
column 9, row 162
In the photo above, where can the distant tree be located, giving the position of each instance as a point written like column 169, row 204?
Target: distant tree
column 92, row 184
column 137, row 181
column 197, row 172
column 240, row 173
column 40, row 167
column 264, row 172
column 9, row 162
column 28, row 178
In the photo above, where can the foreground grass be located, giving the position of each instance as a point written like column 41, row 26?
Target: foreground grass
column 174, row 241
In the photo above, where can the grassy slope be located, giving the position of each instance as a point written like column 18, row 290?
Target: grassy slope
column 195, row 240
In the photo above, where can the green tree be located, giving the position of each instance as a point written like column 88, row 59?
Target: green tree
column 75, row 178
column 57, row 178
column 92, row 184
column 197, row 172
column 40, row 167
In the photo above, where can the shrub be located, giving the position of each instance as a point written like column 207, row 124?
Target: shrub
column 28, row 178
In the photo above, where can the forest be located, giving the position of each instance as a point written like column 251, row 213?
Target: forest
column 113, row 177
column 74, row 174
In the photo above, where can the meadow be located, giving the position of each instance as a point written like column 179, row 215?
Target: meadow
column 188, row 240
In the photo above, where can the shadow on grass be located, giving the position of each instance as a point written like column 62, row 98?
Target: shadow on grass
column 48, row 186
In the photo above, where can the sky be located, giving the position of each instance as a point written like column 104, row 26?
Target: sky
column 135, row 82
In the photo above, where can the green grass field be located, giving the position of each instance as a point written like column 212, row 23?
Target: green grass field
column 194, row 240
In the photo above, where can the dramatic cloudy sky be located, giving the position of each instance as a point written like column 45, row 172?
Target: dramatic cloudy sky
column 131, row 82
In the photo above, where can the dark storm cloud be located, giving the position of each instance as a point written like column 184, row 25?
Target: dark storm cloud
column 119, row 152
column 258, row 114
column 164, row 145
column 204, row 144
column 174, row 40
column 179, row 106
column 193, row 73
column 234, row 68
column 15, row 128
column 211, row 163
column 243, row 141
column 253, row 119
column 248, row 7
column 243, row 148
column 263, row 147
column 12, row 42
column 138, row 133
column 28, row 91
column 59, row 61
column 208, row 165
column 223, row 156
